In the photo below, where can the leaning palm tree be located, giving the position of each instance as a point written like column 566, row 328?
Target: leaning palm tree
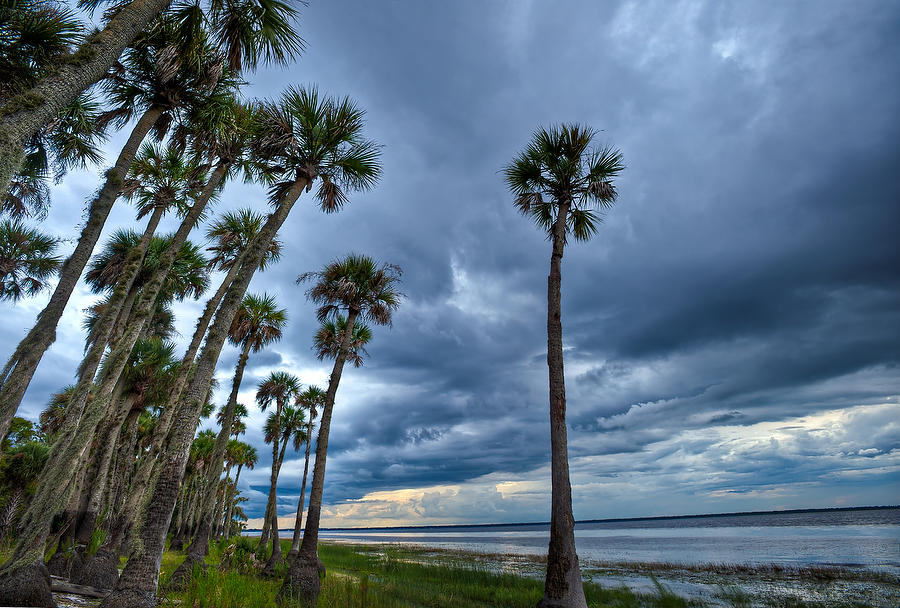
column 252, row 32
column 318, row 139
column 564, row 185
column 232, row 235
column 281, row 389
column 154, row 86
column 258, row 323
column 367, row 291
column 26, row 260
column 310, row 400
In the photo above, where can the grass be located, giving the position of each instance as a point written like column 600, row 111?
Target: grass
column 390, row 577
column 386, row 576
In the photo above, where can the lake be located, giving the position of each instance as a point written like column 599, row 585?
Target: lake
column 855, row 537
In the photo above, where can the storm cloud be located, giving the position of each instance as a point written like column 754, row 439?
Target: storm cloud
column 732, row 331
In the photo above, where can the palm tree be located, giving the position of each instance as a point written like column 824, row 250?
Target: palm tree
column 365, row 290
column 258, row 323
column 237, row 425
column 71, row 140
column 26, row 261
column 149, row 83
column 251, row 32
column 232, row 235
column 564, row 185
column 329, row 337
column 232, row 454
column 281, row 388
column 247, row 458
column 310, row 400
column 320, row 139
column 279, row 431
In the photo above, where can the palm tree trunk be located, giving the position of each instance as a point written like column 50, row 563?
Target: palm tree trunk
column 23, row 362
column 562, row 585
column 230, row 505
column 107, row 444
column 219, row 511
column 26, row 113
column 295, row 543
column 273, row 477
column 138, row 583
column 200, row 544
column 302, row 579
column 72, row 447
column 164, row 424
column 101, row 570
column 275, row 558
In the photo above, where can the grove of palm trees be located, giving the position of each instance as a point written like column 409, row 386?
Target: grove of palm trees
column 129, row 459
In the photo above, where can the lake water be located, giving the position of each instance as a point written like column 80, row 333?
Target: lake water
column 858, row 537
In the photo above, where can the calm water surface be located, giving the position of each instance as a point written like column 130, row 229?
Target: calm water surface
column 856, row 537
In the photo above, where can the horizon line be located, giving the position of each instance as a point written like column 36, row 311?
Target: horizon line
column 605, row 520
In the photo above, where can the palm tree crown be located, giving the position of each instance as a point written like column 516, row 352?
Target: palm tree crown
column 232, row 233
column 280, row 387
column 162, row 179
column 306, row 136
column 26, row 260
column 327, row 340
column 258, row 322
column 558, row 169
column 356, row 283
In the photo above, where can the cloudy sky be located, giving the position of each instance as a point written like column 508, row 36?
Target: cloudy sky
column 731, row 333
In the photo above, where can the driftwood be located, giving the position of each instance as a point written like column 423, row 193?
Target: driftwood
column 60, row 586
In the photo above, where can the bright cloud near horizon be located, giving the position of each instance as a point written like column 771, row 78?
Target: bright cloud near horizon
column 732, row 334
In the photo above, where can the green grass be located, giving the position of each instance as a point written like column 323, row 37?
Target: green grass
column 389, row 577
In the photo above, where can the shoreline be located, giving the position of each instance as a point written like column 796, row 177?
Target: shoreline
column 422, row 574
column 715, row 584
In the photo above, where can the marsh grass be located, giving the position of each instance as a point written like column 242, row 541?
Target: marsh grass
column 391, row 577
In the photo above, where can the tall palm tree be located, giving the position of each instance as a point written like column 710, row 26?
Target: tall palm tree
column 279, row 431
column 249, row 32
column 26, row 260
column 150, row 368
column 247, row 458
column 364, row 290
column 282, row 389
column 564, row 185
column 258, row 323
column 310, row 400
column 231, row 234
column 153, row 85
column 321, row 138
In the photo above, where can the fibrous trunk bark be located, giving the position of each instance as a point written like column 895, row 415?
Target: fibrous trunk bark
column 70, row 450
column 26, row 113
column 200, row 544
column 138, row 583
column 562, row 585
column 23, row 362
column 302, row 579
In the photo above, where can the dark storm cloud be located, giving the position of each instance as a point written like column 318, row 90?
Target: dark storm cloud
column 749, row 274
